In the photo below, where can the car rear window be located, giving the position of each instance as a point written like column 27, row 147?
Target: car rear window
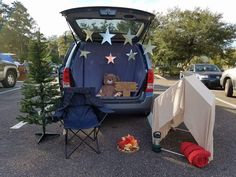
column 209, row 68
column 115, row 25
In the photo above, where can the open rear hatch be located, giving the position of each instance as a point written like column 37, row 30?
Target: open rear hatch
column 90, row 71
column 119, row 20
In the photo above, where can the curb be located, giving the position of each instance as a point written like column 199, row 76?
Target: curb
column 159, row 77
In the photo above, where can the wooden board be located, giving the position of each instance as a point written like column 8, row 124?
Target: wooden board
column 126, row 87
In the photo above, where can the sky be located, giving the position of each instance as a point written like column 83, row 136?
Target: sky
column 47, row 15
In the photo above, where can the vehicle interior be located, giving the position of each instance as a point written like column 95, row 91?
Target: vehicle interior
column 90, row 71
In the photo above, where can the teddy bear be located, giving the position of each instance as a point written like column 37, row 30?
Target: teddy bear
column 108, row 87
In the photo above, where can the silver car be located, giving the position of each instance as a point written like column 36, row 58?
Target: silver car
column 8, row 73
column 228, row 81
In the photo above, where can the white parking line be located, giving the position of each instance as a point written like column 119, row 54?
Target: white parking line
column 160, row 77
column 7, row 91
column 180, row 129
column 172, row 152
column 159, row 90
column 19, row 125
column 225, row 102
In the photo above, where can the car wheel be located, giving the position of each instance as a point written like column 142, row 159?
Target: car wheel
column 10, row 79
column 228, row 88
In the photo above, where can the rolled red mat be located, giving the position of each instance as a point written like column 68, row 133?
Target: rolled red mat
column 195, row 154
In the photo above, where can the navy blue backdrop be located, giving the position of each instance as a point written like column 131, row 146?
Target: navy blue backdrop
column 96, row 66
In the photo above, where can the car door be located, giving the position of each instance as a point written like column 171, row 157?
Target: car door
column 234, row 78
column 1, row 68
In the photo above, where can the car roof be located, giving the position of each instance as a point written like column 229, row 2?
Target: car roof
column 206, row 64
column 7, row 57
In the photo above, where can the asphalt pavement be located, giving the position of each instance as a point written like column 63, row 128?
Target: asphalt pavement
column 21, row 156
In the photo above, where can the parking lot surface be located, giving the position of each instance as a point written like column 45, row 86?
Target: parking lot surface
column 20, row 155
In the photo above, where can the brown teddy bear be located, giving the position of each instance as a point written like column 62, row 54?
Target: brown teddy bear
column 108, row 88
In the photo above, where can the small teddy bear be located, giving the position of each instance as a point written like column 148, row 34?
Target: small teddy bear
column 108, row 88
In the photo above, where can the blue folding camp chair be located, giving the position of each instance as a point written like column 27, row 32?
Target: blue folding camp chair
column 82, row 114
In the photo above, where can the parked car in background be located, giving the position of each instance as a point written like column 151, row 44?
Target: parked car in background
column 8, row 73
column 209, row 74
column 98, row 53
column 228, row 81
column 10, row 57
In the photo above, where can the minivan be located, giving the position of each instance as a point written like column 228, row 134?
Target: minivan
column 110, row 31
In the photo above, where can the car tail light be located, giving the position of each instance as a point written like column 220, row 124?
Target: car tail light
column 66, row 77
column 150, row 80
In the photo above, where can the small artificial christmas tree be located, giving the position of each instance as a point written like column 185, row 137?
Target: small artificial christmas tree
column 40, row 95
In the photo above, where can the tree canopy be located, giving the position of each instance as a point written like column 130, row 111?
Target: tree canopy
column 182, row 35
column 17, row 28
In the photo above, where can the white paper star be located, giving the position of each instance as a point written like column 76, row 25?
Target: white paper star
column 148, row 48
column 106, row 36
column 131, row 55
column 84, row 53
column 110, row 59
column 88, row 35
column 128, row 37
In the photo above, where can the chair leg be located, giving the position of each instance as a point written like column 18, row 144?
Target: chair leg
column 83, row 141
column 96, row 137
column 66, row 143
column 74, row 135
column 92, row 136
column 95, row 132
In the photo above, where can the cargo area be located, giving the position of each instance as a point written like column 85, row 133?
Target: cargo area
column 90, row 71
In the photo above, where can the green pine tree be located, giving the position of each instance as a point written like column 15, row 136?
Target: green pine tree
column 40, row 95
